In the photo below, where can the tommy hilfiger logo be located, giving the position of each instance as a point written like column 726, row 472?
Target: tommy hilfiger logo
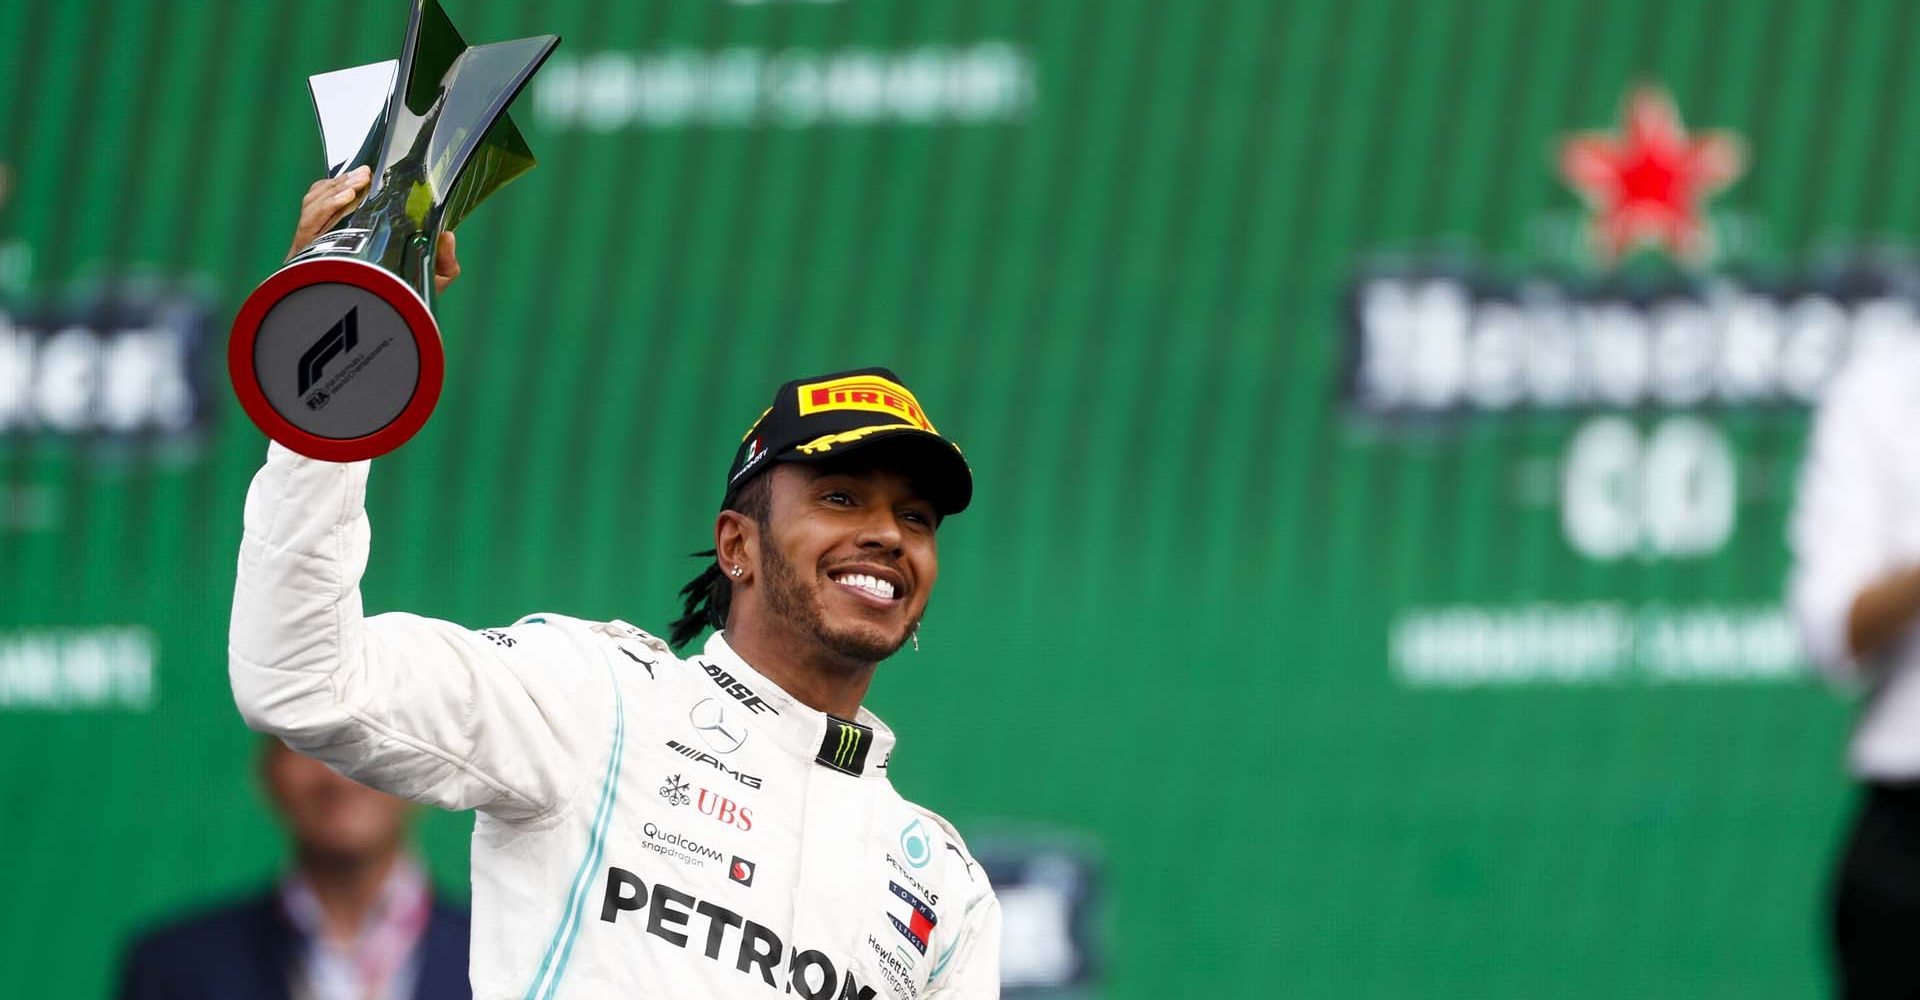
column 918, row 926
column 845, row 746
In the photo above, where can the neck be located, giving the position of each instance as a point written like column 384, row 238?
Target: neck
column 346, row 887
column 813, row 676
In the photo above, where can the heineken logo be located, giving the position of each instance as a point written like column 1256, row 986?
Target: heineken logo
column 1632, row 373
column 1647, row 185
column 1433, row 344
column 845, row 746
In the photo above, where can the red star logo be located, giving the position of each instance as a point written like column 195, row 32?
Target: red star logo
column 1647, row 185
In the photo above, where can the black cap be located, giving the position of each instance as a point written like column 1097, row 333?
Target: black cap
column 827, row 417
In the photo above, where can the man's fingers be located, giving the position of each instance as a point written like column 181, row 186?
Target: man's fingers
column 330, row 188
column 446, row 266
column 349, row 185
column 327, row 201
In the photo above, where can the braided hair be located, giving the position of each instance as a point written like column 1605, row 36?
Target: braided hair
column 708, row 597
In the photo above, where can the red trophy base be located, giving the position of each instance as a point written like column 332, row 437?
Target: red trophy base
column 337, row 359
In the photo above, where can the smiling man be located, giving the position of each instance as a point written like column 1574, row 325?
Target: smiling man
column 650, row 826
column 827, row 535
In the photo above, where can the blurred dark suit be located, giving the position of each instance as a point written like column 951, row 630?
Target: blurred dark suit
column 246, row 951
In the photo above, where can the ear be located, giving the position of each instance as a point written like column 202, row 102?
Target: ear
column 736, row 544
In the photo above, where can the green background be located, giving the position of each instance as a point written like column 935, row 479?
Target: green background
column 1162, row 628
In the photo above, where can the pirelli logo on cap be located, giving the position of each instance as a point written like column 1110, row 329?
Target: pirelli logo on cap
column 845, row 746
column 864, row 392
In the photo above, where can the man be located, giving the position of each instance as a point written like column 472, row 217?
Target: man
column 1856, row 598
column 353, row 920
column 718, row 826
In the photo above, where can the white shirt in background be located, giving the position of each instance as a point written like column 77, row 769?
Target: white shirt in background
column 382, row 960
column 1857, row 518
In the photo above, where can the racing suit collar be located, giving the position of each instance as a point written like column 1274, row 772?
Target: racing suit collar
column 861, row 746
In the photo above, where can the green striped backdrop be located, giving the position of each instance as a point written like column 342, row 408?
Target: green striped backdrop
column 1163, row 626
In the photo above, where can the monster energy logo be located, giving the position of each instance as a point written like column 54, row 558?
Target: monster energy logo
column 845, row 746
column 849, row 742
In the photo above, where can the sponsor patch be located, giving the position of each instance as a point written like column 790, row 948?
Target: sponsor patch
column 683, row 849
column 913, row 843
column 845, row 746
column 863, row 392
column 918, row 926
column 741, row 871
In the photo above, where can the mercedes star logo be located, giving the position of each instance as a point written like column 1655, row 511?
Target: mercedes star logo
column 709, row 719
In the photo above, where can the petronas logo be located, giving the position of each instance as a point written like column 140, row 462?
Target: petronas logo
column 844, row 748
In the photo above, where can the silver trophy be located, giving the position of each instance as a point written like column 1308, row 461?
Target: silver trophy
column 337, row 354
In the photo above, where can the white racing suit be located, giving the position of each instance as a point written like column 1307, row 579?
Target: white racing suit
column 647, row 826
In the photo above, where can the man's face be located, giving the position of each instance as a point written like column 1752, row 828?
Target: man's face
column 328, row 816
column 849, row 558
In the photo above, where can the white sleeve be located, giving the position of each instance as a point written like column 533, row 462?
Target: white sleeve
column 424, row 709
column 970, row 969
column 1840, row 529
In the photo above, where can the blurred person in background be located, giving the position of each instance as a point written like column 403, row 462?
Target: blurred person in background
column 1855, row 593
column 354, row 919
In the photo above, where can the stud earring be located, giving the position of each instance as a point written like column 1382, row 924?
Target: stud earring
column 737, row 571
column 916, row 638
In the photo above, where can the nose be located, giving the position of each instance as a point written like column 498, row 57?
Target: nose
column 879, row 530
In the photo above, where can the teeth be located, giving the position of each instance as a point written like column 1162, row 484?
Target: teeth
column 872, row 585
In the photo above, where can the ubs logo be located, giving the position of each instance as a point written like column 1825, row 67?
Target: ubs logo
column 719, row 733
column 724, row 810
column 710, row 803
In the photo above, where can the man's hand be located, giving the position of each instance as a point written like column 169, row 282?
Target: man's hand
column 445, row 267
column 1884, row 612
column 331, row 198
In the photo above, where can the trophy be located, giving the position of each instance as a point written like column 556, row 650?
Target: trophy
column 337, row 355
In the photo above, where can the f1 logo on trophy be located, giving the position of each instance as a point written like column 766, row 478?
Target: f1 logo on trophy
column 337, row 355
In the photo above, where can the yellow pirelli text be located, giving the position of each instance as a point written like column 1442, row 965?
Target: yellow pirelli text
column 863, row 392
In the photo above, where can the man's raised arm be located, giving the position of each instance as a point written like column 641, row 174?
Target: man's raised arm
column 498, row 720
